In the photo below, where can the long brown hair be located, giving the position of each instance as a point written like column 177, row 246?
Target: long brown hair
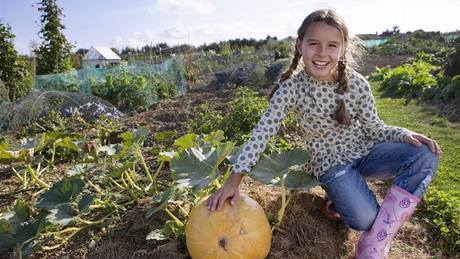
column 346, row 61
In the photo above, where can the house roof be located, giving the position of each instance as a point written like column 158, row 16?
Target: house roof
column 98, row 53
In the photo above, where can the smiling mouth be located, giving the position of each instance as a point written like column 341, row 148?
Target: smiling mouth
column 320, row 63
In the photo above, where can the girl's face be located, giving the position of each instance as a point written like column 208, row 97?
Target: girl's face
column 321, row 49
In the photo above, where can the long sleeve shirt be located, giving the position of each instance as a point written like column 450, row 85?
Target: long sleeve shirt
column 314, row 104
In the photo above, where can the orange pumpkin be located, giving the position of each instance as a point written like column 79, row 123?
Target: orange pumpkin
column 239, row 231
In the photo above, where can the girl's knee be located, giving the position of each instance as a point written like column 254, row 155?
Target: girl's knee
column 428, row 158
column 363, row 221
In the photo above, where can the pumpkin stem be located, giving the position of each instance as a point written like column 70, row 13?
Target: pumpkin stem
column 222, row 243
column 180, row 223
column 284, row 204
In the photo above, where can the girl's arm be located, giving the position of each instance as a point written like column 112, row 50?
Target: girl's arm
column 370, row 122
column 283, row 99
column 280, row 104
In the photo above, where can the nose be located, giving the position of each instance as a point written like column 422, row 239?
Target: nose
column 321, row 51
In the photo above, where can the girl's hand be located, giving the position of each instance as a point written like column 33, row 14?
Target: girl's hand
column 419, row 139
column 229, row 190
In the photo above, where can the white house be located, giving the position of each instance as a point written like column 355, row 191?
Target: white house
column 100, row 56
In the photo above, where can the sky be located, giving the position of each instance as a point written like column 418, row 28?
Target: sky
column 136, row 23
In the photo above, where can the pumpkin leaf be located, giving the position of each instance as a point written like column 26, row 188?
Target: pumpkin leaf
column 162, row 200
column 5, row 226
column 140, row 134
column 85, row 202
column 186, row 141
column 298, row 179
column 109, row 150
column 14, row 218
column 270, row 168
column 21, row 211
column 30, row 247
column 234, row 154
column 172, row 228
column 157, row 234
column 119, row 168
column 30, row 229
column 80, row 169
column 163, row 136
column 61, row 192
column 166, row 156
column 66, row 142
column 195, row 168
column 6, row 157
column 62, row 215
column 215, row 137
column 7, row 241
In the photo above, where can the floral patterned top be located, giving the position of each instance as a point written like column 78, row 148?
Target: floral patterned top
column 314, row 104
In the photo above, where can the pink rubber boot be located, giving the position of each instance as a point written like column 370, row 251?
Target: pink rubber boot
column 396, row 208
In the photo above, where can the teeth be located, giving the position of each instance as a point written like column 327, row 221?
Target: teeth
column 320, row 63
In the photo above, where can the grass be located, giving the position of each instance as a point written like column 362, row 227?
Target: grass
column 442, row 200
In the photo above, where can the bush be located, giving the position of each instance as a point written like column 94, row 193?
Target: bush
column 127, row 91
column 412, row 43
column 419, row 77
column 244, row 113
column 409, row 80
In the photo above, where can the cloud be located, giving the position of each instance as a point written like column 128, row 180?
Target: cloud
column 210, row 32
column 183, row 6
column 120, row 42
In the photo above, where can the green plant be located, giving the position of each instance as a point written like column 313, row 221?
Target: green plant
column 127, row 91
column 15, row 77
column 244, row 113
column 418, row 78
column 54, row 53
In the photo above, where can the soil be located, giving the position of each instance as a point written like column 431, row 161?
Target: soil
column 306, row 230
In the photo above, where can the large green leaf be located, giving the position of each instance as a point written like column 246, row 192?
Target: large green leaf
column 269, row 168
column 140, row 134
column 191, row 169
column 21, row 210
column 119, row 168
column 61, row 192
column 136, row 136
column 186, row 141
column 298, row 179
column 195, row 168
column 163, row 202
column 80, row 169
column 85, row 202
column 164, row 135
column 234, row 154
column 7, row 241
column 109, row 150
column 30, row 229
column 67, row 143
column 14, row 218
column 6, row 157
column 62, row 215
column 5, row 226
column 31, row 246
column 215, row 137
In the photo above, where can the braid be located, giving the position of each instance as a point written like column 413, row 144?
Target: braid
column 287, row 74
column 341, row 114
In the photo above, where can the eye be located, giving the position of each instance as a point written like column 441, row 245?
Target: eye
column 312, row 44
column 333, row 45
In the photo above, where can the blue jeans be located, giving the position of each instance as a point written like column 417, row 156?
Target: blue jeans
column 411, row 167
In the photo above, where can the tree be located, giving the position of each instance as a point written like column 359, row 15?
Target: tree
column 15, row 77
column 54, row 54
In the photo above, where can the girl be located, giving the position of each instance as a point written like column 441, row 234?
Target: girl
column 347, row 140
